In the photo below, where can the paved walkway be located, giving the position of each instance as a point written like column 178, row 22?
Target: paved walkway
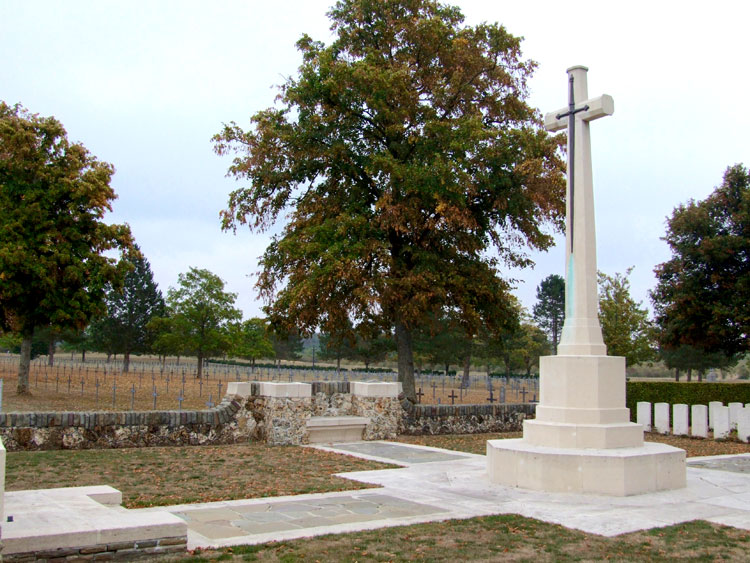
column 431, row 485
column 438, row 484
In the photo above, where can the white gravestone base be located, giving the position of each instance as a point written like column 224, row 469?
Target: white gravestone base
column 643, row 415
column 661, row 418
column 699, row 421
column 680, row 420
column 743, row 425
column 721, row 423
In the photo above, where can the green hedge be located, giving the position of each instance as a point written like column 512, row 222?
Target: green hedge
column 693, row 393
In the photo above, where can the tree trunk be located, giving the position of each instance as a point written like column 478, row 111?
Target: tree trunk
column 24, row 364
column 126, row 361
column 447, row 369
column 690, row 374
column 200, row 365
column 109, row 355
column 676, row 374
column 405, row 354
column 465, row 381
column 83, row 356
column 700, row 375
column 51, row 352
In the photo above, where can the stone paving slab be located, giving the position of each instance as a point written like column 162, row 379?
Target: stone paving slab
column 260, row 520
column 397, row 454
column 734, row 463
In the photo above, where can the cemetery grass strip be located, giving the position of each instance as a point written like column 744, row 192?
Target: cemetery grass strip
column 499, row 538
column 477, row 443
column 180, row 475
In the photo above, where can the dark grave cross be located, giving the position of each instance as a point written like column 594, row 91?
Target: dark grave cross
column 97, row 391
column 82, row 382
column 290, row 376
column 453, row 396
column 210, row 403
column 132, row 397
column 434, row 387
column 70, row 380
column 114, row 393
column 200, row 387
column 154, row 394
column 502, row 394
column 180, row 399
column 219, row 395
column 419, row 395
column 491, row 398
column 523, row 394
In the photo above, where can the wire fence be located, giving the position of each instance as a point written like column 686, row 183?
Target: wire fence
column 75, row 385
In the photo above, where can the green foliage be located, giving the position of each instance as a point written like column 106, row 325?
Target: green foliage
column 549, row 310
column 684, row 393
column 53, row 198
column 410, row 167
column 626, row 329
column 200, row 314
column 129, row 310
column 286, row 346
column 702, row 292
column 442, row 343
column 251, row 340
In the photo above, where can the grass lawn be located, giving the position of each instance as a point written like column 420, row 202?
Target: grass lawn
column 500, row 538
column 161, row 476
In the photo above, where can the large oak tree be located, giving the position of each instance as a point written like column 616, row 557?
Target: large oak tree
column 53, row 197
column 409, row 167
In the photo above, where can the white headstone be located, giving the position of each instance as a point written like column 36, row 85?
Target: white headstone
column 643, row 415
column 734, row 410
column 699, row 420
column 721, row 423
column 661, row 418
column 712, row 406
column 680, row 421
column 743, row 425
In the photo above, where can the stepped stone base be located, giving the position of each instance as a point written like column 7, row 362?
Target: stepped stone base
column 614, row 471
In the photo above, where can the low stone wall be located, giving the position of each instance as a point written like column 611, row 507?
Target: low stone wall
column 465, row 419
column 275, row 413
column 227, row 423
column 120, row 551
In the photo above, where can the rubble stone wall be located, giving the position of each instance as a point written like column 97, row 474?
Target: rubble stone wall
column 239, row 419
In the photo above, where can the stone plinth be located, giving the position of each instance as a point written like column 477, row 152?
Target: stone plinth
column 614, row 471
column 285, row 390
column 331, row 429
column 375, row 388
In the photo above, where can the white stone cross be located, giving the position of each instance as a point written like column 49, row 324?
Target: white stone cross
column 581, row 333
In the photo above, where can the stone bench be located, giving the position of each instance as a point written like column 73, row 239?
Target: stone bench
column 325, row 429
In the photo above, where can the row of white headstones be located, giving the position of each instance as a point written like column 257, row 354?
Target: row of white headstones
column 697, row 420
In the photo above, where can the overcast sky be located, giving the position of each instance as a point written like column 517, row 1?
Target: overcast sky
column 145, row 85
